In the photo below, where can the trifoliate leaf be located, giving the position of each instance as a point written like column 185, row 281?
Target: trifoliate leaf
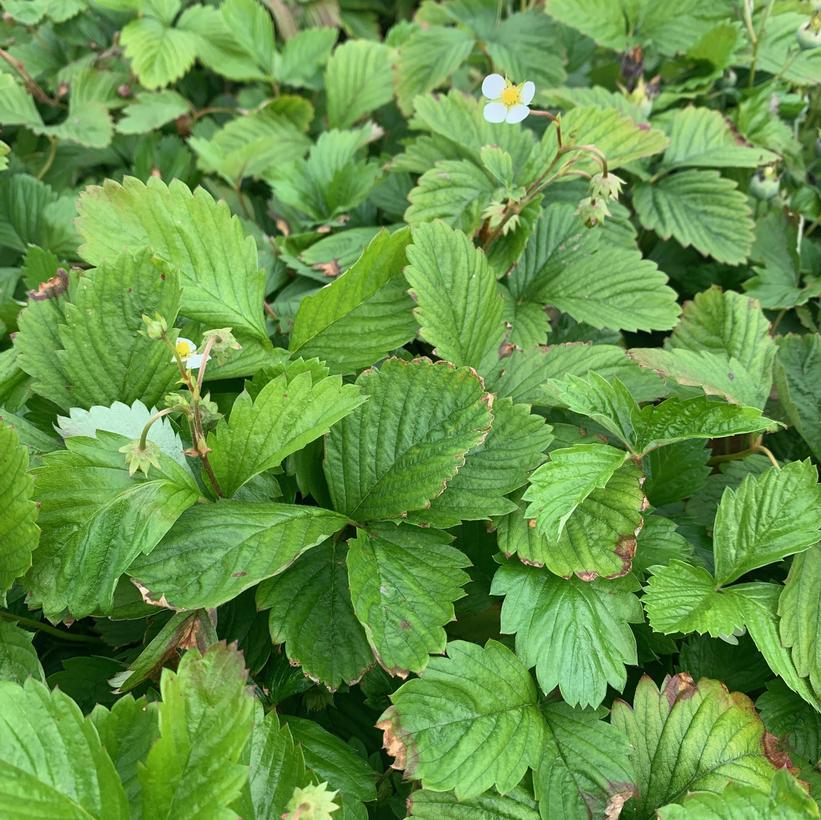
column 18, row 658
column 584, row 768
column 96, row 520
column 471, row 721
column 576, row 633
column 458, row 306
column 311, row 614
column 151, row 110
column 218, row 550
column 159, row 53
column 516, row 804
column 798, row 380
column 767, row 518
column 403, row 584
column 400, row 449
column 52, row 763
column 358, row 80
column 18, row 512
column 217, row 264
column 362, row 315
column 206, row 718
column 287, row 414
column 698, row 208
column 689, row 736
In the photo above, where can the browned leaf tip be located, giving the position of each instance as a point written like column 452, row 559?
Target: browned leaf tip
column 678, row 687
column 392, row 743
column 776, row 755
column 623, row 792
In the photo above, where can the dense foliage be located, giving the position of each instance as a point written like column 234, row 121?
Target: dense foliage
column 370, row 447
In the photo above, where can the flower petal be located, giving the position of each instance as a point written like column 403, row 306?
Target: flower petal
column 492, row 86
column 495, row 112
column 193, row 362
column 516, row 113
column 527, row 92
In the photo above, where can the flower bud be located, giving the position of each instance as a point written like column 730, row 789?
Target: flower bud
column 140, row 458
column 155, row 328
column 593, row 211
column 605, row 186
column 223, row 342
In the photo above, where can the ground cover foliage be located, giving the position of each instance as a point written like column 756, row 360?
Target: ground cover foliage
column 362, row 457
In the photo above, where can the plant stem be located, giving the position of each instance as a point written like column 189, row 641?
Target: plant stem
column 537, row 112
column 52, row 153
column 155, row 417
column 47, row 628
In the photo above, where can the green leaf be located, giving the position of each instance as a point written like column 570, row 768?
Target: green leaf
column 798, row 381
column 458, row 306
column 217, row 264
column 576, row 633
column 288, row 413
column 18, row 513
column 698, row 208
column 18, row 658
column 251, row 26
column 215, row 551
column 702, row 138
column 151, row 110
column 399, row 450
column 767, row 518
column 17, row 105
column 659, row 543
column 159, row 54
column 403, row 584
column 362, row 315
column 800, row 610
column 358, row 80
column 690, row 736
column 517, row 804
column 585, row 769
column 558, row 487
column 96, row 520
column 206, row 718
column 469, row 722
column 796, row 724
column 300, row 63
column 52, row 763
column 680, row 597
column 311, row 613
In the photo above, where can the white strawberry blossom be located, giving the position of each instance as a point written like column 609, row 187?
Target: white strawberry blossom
column 187, row 351
column 509, row 102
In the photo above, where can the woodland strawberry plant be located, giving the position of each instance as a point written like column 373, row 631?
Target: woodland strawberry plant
column 410, row 410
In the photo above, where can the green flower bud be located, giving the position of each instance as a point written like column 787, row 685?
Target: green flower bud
column 311, row 803
column 593, row 211
column 155, row 328
column 140, row 458
column 223, row 342
column 605, row 187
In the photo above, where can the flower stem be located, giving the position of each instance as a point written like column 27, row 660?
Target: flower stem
column 155, row 417
column 47, row 628
column 556, row 120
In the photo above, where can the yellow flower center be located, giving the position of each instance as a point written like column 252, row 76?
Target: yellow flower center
column 511, row 96
column 184, row 348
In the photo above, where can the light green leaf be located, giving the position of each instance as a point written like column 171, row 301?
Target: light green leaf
column 96, row 520
column 690, row 737
column 250, row 24
column 52, row 763
column 585, row 769
column 206, row 718
column 151, row 110
column 458, row 306
column 288, row 413
column 399, row 450
column 517, row 804
column 18, row 513
column 217, row 263
column 471, row 721
column 18, row 658
column 558, row 487
column 767, row 518
column 362, row 315
column 659, row 544
column 798, row 380
column 680, row 597
column 16, row 104
column 311, row 613
column 215, row 551
column 159, row 54
column 301, row 60
column 404, row 581
column 577, row 634
column 698, row 208
column 358, row 80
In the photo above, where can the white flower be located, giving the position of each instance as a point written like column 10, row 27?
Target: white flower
column 187, row 351
column 510, row 102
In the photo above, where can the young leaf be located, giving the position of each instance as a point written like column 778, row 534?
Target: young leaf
column 215, row 551
column 18, row 658
column 400, row 449
column 151, row 110
column 767, row 518
column 311, row 614
column 403, row 584
column 576, row 633
column 159, row 53
column 206, row 718
column 471, row 721
column 358, row 80
column 798, row 380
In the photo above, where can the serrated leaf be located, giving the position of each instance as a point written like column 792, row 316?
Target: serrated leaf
column 205, row 718
column 151, row 110
column 311, row 613
column 18, row 512
column 458, row 307
column 798, row 381
column 358, row 80
column 159, row 53
column 469, row 722
column 796, row 724
column 361, row 316
column 216, row 551
column 16, row 105
column 698, row 208
column 403, row 584
column 96, row 520
column 399, row 450
column 517, row 804
column 52, row 763
column 577, row 634
column 216, row 262
column 585, row 769
column 659, row 543
column 767, row 518
column 288, row 413
column 675, row 471
column 301, row 60
column 18, row 658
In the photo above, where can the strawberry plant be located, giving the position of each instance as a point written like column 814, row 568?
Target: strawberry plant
column 410, row 410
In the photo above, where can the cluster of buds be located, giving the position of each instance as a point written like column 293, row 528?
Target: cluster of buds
column 593, row 209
